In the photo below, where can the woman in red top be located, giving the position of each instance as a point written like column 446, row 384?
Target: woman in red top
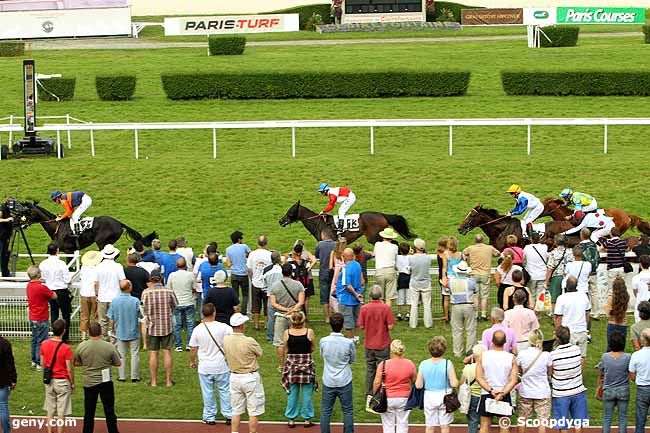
column 400, row 374
column 517, row 252
column 58, row 393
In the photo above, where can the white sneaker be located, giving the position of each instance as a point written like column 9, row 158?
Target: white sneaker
column 39, row 368
column 179, row 349
column 355, row 339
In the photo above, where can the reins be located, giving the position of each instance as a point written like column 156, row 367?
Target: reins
column 493, row 221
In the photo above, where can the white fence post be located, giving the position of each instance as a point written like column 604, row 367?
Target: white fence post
column 92, row 143
column 11, row 133
column 214, row 143
column 58, row 144
column 372, row 140
column 137, row 149
column 293, row 141
column 451, row 140
column 528, row 146
column 605, row 140
column 67, row 122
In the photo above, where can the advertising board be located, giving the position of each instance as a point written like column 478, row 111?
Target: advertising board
column 231, row 24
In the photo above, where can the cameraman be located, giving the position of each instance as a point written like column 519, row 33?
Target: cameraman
column 6, row 222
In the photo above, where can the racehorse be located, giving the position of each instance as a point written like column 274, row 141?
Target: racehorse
column 497, row 227
column 558, row 210
column 370, row 224
column 105, row 230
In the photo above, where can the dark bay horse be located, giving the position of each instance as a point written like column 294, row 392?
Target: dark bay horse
column 497, row 227
column 370, row 224
column 105, row 230
column 558, row 210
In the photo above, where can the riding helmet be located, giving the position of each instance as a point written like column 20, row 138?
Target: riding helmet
column 55, row 194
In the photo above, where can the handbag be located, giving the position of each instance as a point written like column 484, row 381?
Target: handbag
column 48, row 371
column 496, row 407
column 465, row 396
column 450, row 400
column 379, row 401
column 416, row 399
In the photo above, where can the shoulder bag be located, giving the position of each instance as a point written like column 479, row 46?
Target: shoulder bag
column 379, row 401
column 48, row 371
column 465, row 396
column 213, row 339
column 291, row 294
column 450, row 400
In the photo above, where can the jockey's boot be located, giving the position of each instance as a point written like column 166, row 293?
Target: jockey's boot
column 529, row 231
column 76, row 229
column 341, row 227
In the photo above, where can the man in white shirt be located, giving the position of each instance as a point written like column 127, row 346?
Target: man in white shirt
column 57, row 278
column 535, row 259
column 256, row 262
column 572, row 311
column 182, row 283
column 385, row 253
column 271, row 274
column 640, row 285
column 87, row 291
column 580, row 269
column 109, row 275
column 207, row 343
column 185, row 251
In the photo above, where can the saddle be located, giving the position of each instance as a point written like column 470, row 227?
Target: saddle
column 348, row 224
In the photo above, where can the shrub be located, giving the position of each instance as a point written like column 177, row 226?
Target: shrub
column 646, row 31
column 446, row 15
column 315, row 20
column 226, row 45
column 12, row 49
column 560, row 36
column 596, row 83
column 115, row 87
column 61, row 87
column 440, row 11
column 305, row 13
column 314, row 85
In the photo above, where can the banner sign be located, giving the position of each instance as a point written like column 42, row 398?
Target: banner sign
column 231, row 24
column 596, row 15
column 477, row 16
column 29, row 81
column 540, row 16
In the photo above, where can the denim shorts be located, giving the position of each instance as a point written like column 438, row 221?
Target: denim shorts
column 574, row 407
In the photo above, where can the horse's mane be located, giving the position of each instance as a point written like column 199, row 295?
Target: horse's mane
column 492, row 213
column 35, row 204
column 553, row 200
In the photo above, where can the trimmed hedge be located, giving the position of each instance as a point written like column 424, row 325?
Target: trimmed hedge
column 560, row 36
column 115, row 87
column 314, row 85
column 306, row 12
column 646, row 31
column 61, row 87
column 576, row 83
column 12, row 49
column 433, row 14
column 226, row 45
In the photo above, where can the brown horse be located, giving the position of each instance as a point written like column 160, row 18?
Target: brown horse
column 559, row 211
column 497, row 227
column 370, row 224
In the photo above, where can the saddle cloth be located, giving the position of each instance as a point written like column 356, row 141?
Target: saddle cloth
column 86, row 223
column 351, row 222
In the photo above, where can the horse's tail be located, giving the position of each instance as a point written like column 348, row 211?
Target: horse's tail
column 399, row 223
column 146, row 241
column 641, row 225
column 131, row 233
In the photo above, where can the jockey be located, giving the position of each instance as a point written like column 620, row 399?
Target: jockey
column 74, row 203
column 525, row 202
column 341, row 195
column 601, row 224
column 579, row 201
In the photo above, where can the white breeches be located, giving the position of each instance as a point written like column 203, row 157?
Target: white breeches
column 531, row 215
column 591, row 207
column 346, row 205
column 601, row 233
column 86, row 202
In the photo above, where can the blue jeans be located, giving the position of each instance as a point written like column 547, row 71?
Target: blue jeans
column 642, row 405
column 473, row 417
column 39, row 335
column 183, row 318
column 222, row 383
column 565, row 408
column 5, row 423
column 293, row 398
column 615, row 397
column 270, row 324
column 328, row 398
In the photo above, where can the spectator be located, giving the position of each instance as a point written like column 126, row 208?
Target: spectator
column 57, row 278
column 450, row 259
column 640, row 374
column 181, row 282
column 257, row 261
column 286, row 296
column 503, row 276
column 323, row 251
column 420, row 284
column 87, row 291
column 336, row 263
column 520, row 319
column 6, row 231
column 299, row 373
column 517, row 252
column 186, row 252
column 138, row 276
column 124, row 314
column 97, row 357
column 156, row 254
column 534, row 391
column 223, row 298
column 557, row 261
column 385, row 253
column 159, row 306
column 615, row 382
column 579, row 269
column 8, row 380
column 362, row 256
column 246, row 389
column 348, row 294
column 469, row 377
column 615, row 248
column 236, row 255
column 272, row 274
column 572, row 311
column 637, row 329
column 207, row 343
column 496, row 372
column 338, row 355
column 590, row 254
column 206, row 271
column 303, row 261
column 535, row 258
column 437, row 376
column 38, row 297
column 643, row 249
column 109, row 275
column 57, row 355
column 497, row 316
column 463, row 312
column 396, row 375
column 403, row 280
column 480, row 256
column 146, row 259
column 616, row 308
column 376, row 319
column 168, row 261
column 202, row 258
column 641, row 284
column 441, row 251
column 509, row 292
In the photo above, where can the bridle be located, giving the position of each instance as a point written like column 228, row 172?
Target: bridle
column 487, row 223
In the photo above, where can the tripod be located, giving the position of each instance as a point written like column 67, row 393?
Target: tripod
column 14, row 254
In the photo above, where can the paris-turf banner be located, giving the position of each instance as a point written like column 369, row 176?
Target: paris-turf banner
column 600, row 15
column 231, row 24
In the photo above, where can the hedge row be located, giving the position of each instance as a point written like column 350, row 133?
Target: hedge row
column 63, row 88
column 306, row 12
column 226, row 45
column 116, row 87
column 560, row 36
column 576, row 83
column 12, row 49
column 646, row 31
column 314, row 85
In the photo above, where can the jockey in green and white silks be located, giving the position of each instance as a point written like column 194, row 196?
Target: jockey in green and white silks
column 579, row 201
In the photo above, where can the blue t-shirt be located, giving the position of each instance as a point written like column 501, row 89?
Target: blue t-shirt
column 350, row 275
column 435, row 374
column 157, row 256
column 207, row 271
column 125, row 312
column 237, row 254
column 168, row 264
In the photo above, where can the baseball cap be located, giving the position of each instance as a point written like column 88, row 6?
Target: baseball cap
column 238, row 319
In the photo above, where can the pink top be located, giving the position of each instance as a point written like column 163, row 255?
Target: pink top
column 511, row 337
column 522, row 321
column 399, row 372
column 518, row 255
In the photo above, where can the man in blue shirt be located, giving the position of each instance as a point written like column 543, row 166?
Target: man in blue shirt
column 237, row 254
column 207, row 271
column 124, row 314
column 349, row 295
column 168, row 261
column 338, row 354
column 640, row 372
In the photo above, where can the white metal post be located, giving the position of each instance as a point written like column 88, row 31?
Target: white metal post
column 451, row 140
column 67, row 122
column 11, row 133
column 528, row 147
column 293, row 142
column 137, row 150
column 214, row 143
column 92, row 143
column 605, row 140
column 58, row 143
column 372, row 140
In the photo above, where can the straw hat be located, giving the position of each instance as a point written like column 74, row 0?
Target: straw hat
column 462, row 268
column 388, row 233
column 110, row 252
column 91, row 258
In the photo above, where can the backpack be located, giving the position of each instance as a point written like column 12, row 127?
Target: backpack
column 590, row 254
